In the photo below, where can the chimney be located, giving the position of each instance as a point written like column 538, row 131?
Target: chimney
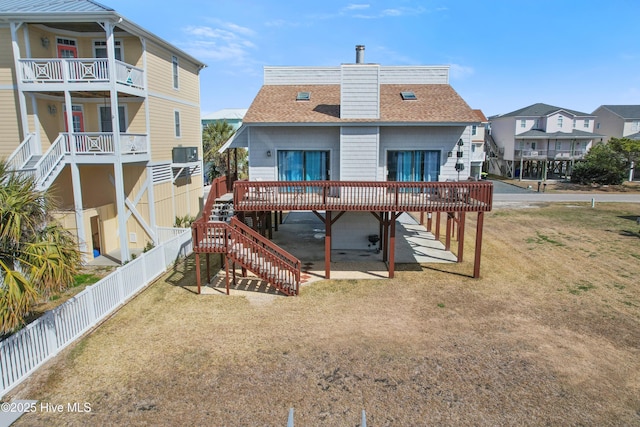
column 359, row 54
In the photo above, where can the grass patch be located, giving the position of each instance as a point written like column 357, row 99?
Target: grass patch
column 85, row 279
column 514, row 347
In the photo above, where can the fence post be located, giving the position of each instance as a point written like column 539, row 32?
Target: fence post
column 91, row 304
column 50, row 332
column 120, row 284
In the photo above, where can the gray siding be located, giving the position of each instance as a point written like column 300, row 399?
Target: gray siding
column 261, row 140
column 301, row 75
column 438, row 138
column 359, row 153
column 414, row 75
column 360, row 92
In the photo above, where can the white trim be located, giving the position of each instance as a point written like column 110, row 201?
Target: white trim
column 172, row 99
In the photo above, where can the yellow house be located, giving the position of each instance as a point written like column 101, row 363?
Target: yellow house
column 103, row 114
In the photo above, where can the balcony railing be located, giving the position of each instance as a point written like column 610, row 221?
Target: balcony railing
column 550, row 154
column 363, row 196
column 79, row 70
column 99, row 143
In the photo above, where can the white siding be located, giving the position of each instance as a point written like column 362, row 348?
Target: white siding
column 443, row 139
column 301, row 75
column 360, row 92
column 359, row 153
column 502, row 131
column 261, row 140
column 414, row 75
column 611, row 125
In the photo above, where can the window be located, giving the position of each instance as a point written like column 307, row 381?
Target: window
column 533, row 145
column 176, row 118
column 575, row 122
column 474, row 130
column 408, row 96
column 174, row 61
column 100, row 49
column 597, row 125
column 303, row 96
column 296, row 165
column 537, row 125
column 634, row 127
column 560, row 121
column 523, row 123
column 586, row 123
column 413, row 166
column 558, row 145
column 106, row 125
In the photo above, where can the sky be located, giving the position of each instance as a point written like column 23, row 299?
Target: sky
column 504, row 54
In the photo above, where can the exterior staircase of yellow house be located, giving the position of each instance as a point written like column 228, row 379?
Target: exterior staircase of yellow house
column 44, row 168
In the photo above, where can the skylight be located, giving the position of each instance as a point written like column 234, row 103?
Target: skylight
column 408, row 96
column 303, row 96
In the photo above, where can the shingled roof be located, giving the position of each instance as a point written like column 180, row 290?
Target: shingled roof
column 540, row 110
column 435, row 103
column 625, row 111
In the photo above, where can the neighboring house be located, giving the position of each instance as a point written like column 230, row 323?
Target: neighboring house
column 478, row 152
column 539, row 141
column 94, row 107
column 359, row 122
column 618, row 121
column 233, row 116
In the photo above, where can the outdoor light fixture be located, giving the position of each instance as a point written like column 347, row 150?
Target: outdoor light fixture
column 268, row 153
column 45, row 42
column 52, row 109
column 459, row 163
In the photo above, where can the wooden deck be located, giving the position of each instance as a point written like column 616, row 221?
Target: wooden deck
column 363, row 196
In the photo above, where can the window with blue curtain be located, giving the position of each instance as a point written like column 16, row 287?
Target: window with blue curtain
column 296, row 165
column 413, row 166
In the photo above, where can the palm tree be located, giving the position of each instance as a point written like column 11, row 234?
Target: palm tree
column 214, row 135
column 37, row 256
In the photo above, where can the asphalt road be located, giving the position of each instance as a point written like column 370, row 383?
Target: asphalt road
column 503, row 192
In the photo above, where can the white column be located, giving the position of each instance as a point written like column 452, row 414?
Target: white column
column 24, row 121
column 118, row 173
column 150, row 184
column 77, row 206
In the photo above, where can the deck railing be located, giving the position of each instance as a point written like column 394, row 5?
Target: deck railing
column 363, row 196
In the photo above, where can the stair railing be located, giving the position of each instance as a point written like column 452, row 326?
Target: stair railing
column 264, row 258
column 48, row 162
column 23, row 153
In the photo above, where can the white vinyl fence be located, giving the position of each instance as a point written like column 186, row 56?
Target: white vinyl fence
column 26, row 350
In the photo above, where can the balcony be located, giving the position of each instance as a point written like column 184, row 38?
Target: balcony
column 531, row 154
column 81, row 73
column 97, row 145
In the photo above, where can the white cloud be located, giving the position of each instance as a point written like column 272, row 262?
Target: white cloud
column 227, row 42
column 461, row 72
column 357, row 6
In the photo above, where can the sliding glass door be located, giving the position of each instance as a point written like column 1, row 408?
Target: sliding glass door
column 413, row 166
column 294, row 165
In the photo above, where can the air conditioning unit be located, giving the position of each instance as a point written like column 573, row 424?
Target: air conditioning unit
column 184, row 154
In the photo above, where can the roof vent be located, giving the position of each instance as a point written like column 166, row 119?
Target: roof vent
column 359, row 54
column 303, row 96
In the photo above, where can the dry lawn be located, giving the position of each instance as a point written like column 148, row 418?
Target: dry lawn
column 550, row 335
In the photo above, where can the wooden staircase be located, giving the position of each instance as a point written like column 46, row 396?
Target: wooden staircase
column 242, row 245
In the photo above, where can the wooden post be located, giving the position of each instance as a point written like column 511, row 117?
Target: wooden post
column 381, row 230
column 226, row 272
column 208, row 270
column 198, row 271
column 327, row 245
column 447, row 240
column 385, row 236
column 233, row 274
column 429, row 214
column 421, row 217
column 476, row 262
column 392, row 246
column 437, row 233
column 461, row 236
